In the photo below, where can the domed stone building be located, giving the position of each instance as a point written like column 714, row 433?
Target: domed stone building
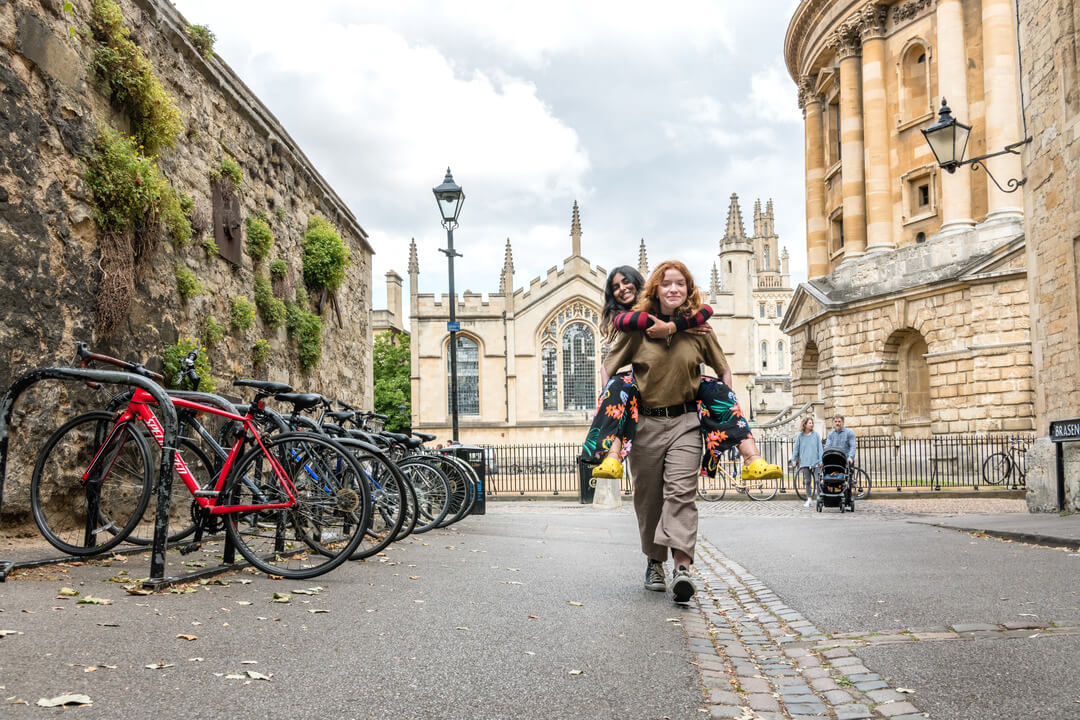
column 915, row 317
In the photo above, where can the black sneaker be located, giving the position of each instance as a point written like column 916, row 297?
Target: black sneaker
column 682, row 585
column 654, row 576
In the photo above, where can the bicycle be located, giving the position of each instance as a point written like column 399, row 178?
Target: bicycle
column 729, row 472
column 294, row 504
column 999, row 466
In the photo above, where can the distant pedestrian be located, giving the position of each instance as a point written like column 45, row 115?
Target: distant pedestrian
column 806, row 457
column 842, row 437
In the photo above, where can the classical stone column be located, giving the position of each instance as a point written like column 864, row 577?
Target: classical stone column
column 879, row 227
column 1001, row 80
column 852, row 173
column 952, row 82
column 817, row 244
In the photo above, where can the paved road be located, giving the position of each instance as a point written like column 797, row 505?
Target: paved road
column 482, row 620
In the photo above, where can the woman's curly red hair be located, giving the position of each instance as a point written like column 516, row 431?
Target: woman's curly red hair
column 649, row 298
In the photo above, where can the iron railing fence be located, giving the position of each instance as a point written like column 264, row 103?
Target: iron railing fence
column 893, row 463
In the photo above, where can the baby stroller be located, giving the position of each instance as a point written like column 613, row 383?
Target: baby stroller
column 833, row 482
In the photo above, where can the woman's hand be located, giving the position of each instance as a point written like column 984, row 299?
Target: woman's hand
column 660, row 329
column 705, row 329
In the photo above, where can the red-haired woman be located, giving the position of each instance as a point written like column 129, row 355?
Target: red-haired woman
column 666, row 454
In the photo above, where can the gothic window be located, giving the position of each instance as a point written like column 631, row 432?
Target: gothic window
column 579, row 367
column 779, row 309
column 468, row 377
column 780, row 355
column 729, row 266
column 550, row 378
column 761, row 310
column 766, row 257
column 764, row 355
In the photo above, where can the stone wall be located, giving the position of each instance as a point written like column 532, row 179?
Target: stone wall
column 50, row 111
column 1051, row 84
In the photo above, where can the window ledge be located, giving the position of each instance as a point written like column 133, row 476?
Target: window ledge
column 832, row 170
column 920, row 218
column 838, row 253
column 902, row 126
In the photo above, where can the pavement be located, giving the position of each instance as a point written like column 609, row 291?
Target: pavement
column 965, row 609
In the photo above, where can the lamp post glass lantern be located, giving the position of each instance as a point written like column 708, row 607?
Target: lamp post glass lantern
column 450, row 197
column 750, row 400
column 948, row 139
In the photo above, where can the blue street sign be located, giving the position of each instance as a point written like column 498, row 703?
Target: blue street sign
column 453, row 326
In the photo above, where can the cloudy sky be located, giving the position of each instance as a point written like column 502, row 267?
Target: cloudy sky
column 649, row 117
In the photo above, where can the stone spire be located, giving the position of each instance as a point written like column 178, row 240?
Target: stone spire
column 735, row 232
column 506, row 282
column 759, row 220
column 575, row 232
column 414, row 266
column 770, row 220
column 643, row 260
column 714, row 283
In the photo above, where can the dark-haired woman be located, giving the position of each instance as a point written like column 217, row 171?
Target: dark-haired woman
column 611, row 435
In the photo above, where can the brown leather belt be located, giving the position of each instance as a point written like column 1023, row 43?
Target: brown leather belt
column 672, row 410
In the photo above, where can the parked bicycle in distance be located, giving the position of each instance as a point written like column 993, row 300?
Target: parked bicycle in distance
column 729, row 475
column 1000, row 466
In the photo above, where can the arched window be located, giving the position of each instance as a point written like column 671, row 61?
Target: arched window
column 764, row 355
column 550, row 378
column 914, row 82
column 468, row 377
column 766, row 256
column 579, row 367
column 780, row 355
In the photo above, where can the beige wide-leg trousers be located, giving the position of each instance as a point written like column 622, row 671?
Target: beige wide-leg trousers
column 665, row 459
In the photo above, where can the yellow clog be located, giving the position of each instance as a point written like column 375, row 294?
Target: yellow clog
column 609, row 468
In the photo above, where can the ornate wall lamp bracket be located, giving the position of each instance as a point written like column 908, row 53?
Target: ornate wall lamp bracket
column 1012, row 183
column 948, row 139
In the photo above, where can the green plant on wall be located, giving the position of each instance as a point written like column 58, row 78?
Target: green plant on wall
column 278, row 268
column 128, row 191
column 128, row 76
column 171, row 355
column 260, row 238
column 271, row 309
column 202, row 38
column 260, row 352
column 209, row 246
column 305, row 328
column 186, row 283
column 243, row 314
column 325, row 256
column 212, row 333
column 228, row 168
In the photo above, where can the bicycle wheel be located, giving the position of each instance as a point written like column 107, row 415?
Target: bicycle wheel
column 412, row 511
column 797, row 483
column 997, row 468
column 712, row 488
column 91, row 484
column 325, row 523
column 860, row 483
column 432, row 491
column 181, row 523
column 464, row 482
column 388, row 497
column 762, row 489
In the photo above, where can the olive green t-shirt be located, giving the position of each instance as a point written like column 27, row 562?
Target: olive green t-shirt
column 666, row 374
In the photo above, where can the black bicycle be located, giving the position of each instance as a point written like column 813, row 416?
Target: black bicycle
column 1000, row 466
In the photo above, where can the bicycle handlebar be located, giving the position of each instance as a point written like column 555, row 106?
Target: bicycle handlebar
column 86, row 356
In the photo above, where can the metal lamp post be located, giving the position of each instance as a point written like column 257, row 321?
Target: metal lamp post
column 750, row 389
column 450, row 197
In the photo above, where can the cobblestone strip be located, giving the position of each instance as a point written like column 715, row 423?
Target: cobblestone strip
column 760, row 659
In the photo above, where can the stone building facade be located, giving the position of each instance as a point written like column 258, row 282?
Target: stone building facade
column 915, row 316
column 1051, row 81
column 529, row 358
column 50, row 113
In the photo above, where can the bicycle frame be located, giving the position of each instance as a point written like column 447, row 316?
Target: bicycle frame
column 138, row 408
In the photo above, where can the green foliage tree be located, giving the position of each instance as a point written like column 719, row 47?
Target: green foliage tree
column 391, row 369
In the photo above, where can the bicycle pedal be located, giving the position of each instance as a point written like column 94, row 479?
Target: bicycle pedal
column 189, row 548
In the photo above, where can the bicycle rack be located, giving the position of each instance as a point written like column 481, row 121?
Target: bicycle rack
column 169, row 428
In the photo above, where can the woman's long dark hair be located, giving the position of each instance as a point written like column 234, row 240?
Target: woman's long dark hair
column 613, row 307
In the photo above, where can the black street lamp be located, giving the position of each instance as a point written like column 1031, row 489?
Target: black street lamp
column 948, row 139
column 450, row 198
column 750, row 403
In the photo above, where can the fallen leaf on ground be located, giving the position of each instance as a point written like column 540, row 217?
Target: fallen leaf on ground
column 309, row 591
column 318, row 610
column 575, row 603
column 281, row 598
column 67, row 592
column 158, row 666
column 461, row 627
column 257, row 675
column 905, row 690
column 138, row 590
column 534, row 617
column 189, row 638
column 243, row 602
column 249, row 662
column 5, row 633
column 68, row 699
column 88, row 600
column 109, row 624
column 577, row 672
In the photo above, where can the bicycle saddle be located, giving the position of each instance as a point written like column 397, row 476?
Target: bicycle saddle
column 332, row 428
column 397, row 437
column 300, row 401
column 339, row 416
column 270, row 388
column 424, row 436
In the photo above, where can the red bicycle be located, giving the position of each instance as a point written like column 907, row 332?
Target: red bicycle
column 294, row 504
